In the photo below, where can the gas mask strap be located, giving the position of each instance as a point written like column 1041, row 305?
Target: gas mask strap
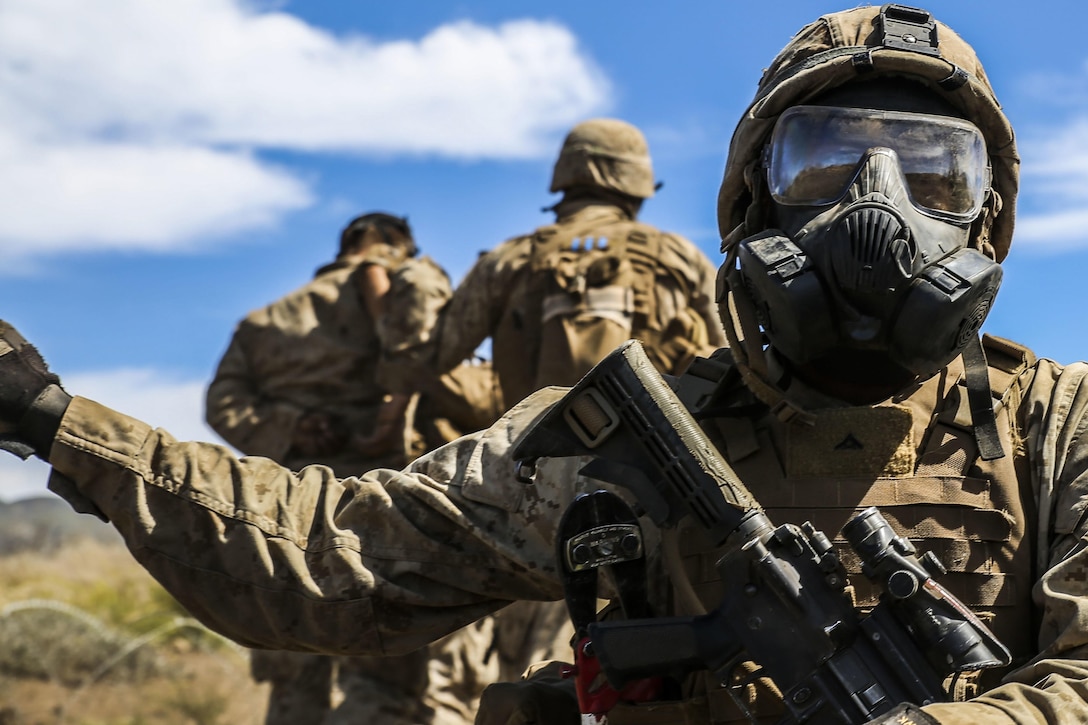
column 982, row 226
column 981, row 401
column 753, row 335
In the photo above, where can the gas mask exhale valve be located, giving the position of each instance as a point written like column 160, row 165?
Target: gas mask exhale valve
column 871, row 253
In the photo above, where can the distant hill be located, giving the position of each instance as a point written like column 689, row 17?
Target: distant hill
column 46, row 524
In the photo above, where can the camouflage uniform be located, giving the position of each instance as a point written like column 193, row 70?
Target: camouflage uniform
column 392, row 560
column 389, row 561
column 319, row 349
column 315, row 349
column 557, row 300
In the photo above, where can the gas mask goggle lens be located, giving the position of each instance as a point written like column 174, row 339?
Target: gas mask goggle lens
column 817, row 152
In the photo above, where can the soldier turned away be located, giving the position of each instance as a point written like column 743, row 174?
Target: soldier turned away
column 885, row 168
column 555, row 301
column 300, row 383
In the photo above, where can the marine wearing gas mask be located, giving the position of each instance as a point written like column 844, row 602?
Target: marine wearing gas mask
column 813, row 418
column 872, row 210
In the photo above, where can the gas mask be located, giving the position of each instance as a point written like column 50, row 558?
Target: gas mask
column 874, row 211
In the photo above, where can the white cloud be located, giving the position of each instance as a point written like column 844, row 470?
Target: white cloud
column 22, row 479
column 159, row 399
column 1055, row 231
column 127, row 196
column 1053, row 214
column 133, row 124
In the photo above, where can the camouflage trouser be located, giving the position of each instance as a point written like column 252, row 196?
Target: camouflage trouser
column 530, row 632
column 301, row 685
column 461, row 666
column 439, row 685
column 383, row 690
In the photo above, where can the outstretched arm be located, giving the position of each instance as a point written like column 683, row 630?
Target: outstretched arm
column 379, row 564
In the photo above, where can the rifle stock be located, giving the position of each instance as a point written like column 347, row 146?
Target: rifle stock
column 786, row 606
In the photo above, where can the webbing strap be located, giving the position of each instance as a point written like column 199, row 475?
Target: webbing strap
column 613, row 301
column 981, row 401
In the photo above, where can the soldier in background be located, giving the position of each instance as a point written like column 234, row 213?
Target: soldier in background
column 557, row 300
column 301, row 383
column 861, row 393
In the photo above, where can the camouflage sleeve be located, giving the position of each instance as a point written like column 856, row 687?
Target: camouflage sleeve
column 1053, row 687
column 379, row 564
column 699, row 275
column 477, row 304
column 418, row 291
column 236, row 411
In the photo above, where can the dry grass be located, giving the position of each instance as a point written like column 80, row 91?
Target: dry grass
column 88, row 638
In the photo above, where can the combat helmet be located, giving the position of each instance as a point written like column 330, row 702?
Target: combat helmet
column 854, row 45
column 860, row 44
column 606, row 153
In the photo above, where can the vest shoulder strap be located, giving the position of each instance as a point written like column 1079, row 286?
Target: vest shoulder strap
column 1006, row 361
column 1006, row 355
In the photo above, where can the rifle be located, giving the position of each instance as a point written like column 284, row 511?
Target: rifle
column 786, row 605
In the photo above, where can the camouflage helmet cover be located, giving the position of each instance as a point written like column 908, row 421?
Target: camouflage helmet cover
column 605, row 153
column 850, row 45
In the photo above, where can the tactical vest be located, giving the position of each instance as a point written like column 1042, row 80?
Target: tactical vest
column 917, row 461
column 588, row 286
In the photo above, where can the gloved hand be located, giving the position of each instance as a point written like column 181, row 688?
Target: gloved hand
column 32, row 402
column 905, row 714
column 318, row 434
column 388, row 433
column 544, row 699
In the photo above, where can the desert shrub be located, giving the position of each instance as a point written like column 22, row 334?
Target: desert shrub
column 53, row 641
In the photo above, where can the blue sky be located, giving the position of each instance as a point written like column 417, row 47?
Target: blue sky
column 166, row 167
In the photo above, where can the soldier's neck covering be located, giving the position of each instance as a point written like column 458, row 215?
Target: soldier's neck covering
column 578, row 198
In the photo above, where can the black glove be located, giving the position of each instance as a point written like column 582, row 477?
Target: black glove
column 905, row 714
column 545, row 697
column 31, row 399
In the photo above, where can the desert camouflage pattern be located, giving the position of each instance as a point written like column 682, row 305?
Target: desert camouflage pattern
column 605, row 153
column 675, row 312
column 319, row 349
column 667, row 303
column 418, row 290
column 465, row 398
column 389, row 561
column 315, row 349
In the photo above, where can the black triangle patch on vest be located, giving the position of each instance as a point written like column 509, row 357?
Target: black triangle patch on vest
column 849, row 443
